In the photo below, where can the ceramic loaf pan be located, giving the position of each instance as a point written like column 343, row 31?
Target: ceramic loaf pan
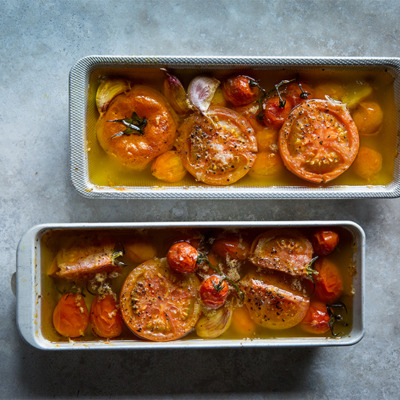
column 83, row 117
column 30, row 290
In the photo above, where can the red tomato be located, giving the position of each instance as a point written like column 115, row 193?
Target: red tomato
column 217, row 149
column 328, row 282
column 282, row 250
column 233, row 247
column 272, row 303
column 275, row 115
column 317, row 318
column 105, row 317
column 182, row 257
column 71, row 316
column 213, row 292
column 239, row 92
column 296, row 95
column 324, row 242
column 318, row 141
column 159, row 305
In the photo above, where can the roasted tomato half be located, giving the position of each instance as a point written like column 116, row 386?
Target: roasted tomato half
column 218, row 149
column 328, row 281
column 272, row 303
column 71, row 316
column 282, row 250
column 137, row 127
column 317, row 318
column 319, row 140
column 158, row 304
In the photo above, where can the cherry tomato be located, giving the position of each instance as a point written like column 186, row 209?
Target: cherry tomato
column 213, row 292
column 168, row 167
column 159, row 305
column 282, row 250
column 195, row 238
column 328, row 282
column 275, row 115
column 218, row 149
column 105, row 317
column 136, row 149
column 367, row 163
column 182, row 257
column 239, row 91
column 234, row 248
column 368, row 117
column 317, row 318
column 324, row 242
column 298, row 92
column 272, row 303
column 71, row 316
column 318, row 141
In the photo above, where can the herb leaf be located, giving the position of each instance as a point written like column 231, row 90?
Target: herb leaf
column 134, row 125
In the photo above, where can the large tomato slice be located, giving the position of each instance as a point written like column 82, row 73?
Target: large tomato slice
column 272, row 303
column 283, row 250
column 319, row 140
column 137, row 149
column 158, row 304
column 217, row 149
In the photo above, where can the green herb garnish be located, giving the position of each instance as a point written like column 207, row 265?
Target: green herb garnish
column 134, row 125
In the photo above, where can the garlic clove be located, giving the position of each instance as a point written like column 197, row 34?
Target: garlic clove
column 175, row 93
column 214, row 323
column 354, row 94
column 201, row 91
column 107, row 90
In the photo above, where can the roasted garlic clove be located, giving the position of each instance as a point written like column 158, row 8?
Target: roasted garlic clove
column 107, row 90
column 214, row 323
column 176, row 94
column 201, row 91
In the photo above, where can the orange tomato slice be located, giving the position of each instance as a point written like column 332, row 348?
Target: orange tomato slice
column 218, row 149
column 272, row 303
column 158, row 304
column 282, row 250
column 319, row 140
column 137, row 150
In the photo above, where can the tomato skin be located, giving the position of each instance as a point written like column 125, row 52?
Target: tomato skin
column 324, row 242
column 158, row 304
column 71, row 316
column 275, row 115
column 211, row 296
column 294, row 93
column 328, row 282
column 368, row 117
column 318, row 141
column 285, row 250
column 317, row 318
column 368, row 163
column 105, row 317
column 182, row 257
column 233, row 247
column 238, row 91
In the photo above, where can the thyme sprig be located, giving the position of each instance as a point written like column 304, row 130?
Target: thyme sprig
column 134, row 125
column 218, row 287
column 204, row 259
column 334, row 318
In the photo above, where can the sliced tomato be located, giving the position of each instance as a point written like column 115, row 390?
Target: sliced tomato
column 272, row 303
column 319, row 140
column 282, row 250
column 136, row 149
column 158, row 304
column 217, row 149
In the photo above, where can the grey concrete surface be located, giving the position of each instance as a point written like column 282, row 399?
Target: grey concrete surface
column 40, row 41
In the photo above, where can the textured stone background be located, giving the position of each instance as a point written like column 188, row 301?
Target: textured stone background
column 40, row 41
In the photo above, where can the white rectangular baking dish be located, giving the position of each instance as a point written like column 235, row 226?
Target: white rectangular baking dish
column 29, row 289
column 78, row 115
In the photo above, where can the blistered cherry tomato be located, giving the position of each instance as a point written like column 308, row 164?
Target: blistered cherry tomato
column 213, row 292
column 105, row 317
column 328, row 282
column 275, row 115
column 71, row 316
column 182, row 257
column 324, row 242
column 239, row 91
column 233, row 247
column 317, row 318
column 298, row 92
column 368, row 163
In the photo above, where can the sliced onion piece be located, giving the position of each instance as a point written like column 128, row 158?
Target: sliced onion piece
column 175, row 93
column 201, row 91
column 214, row 323
column 109, row 89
